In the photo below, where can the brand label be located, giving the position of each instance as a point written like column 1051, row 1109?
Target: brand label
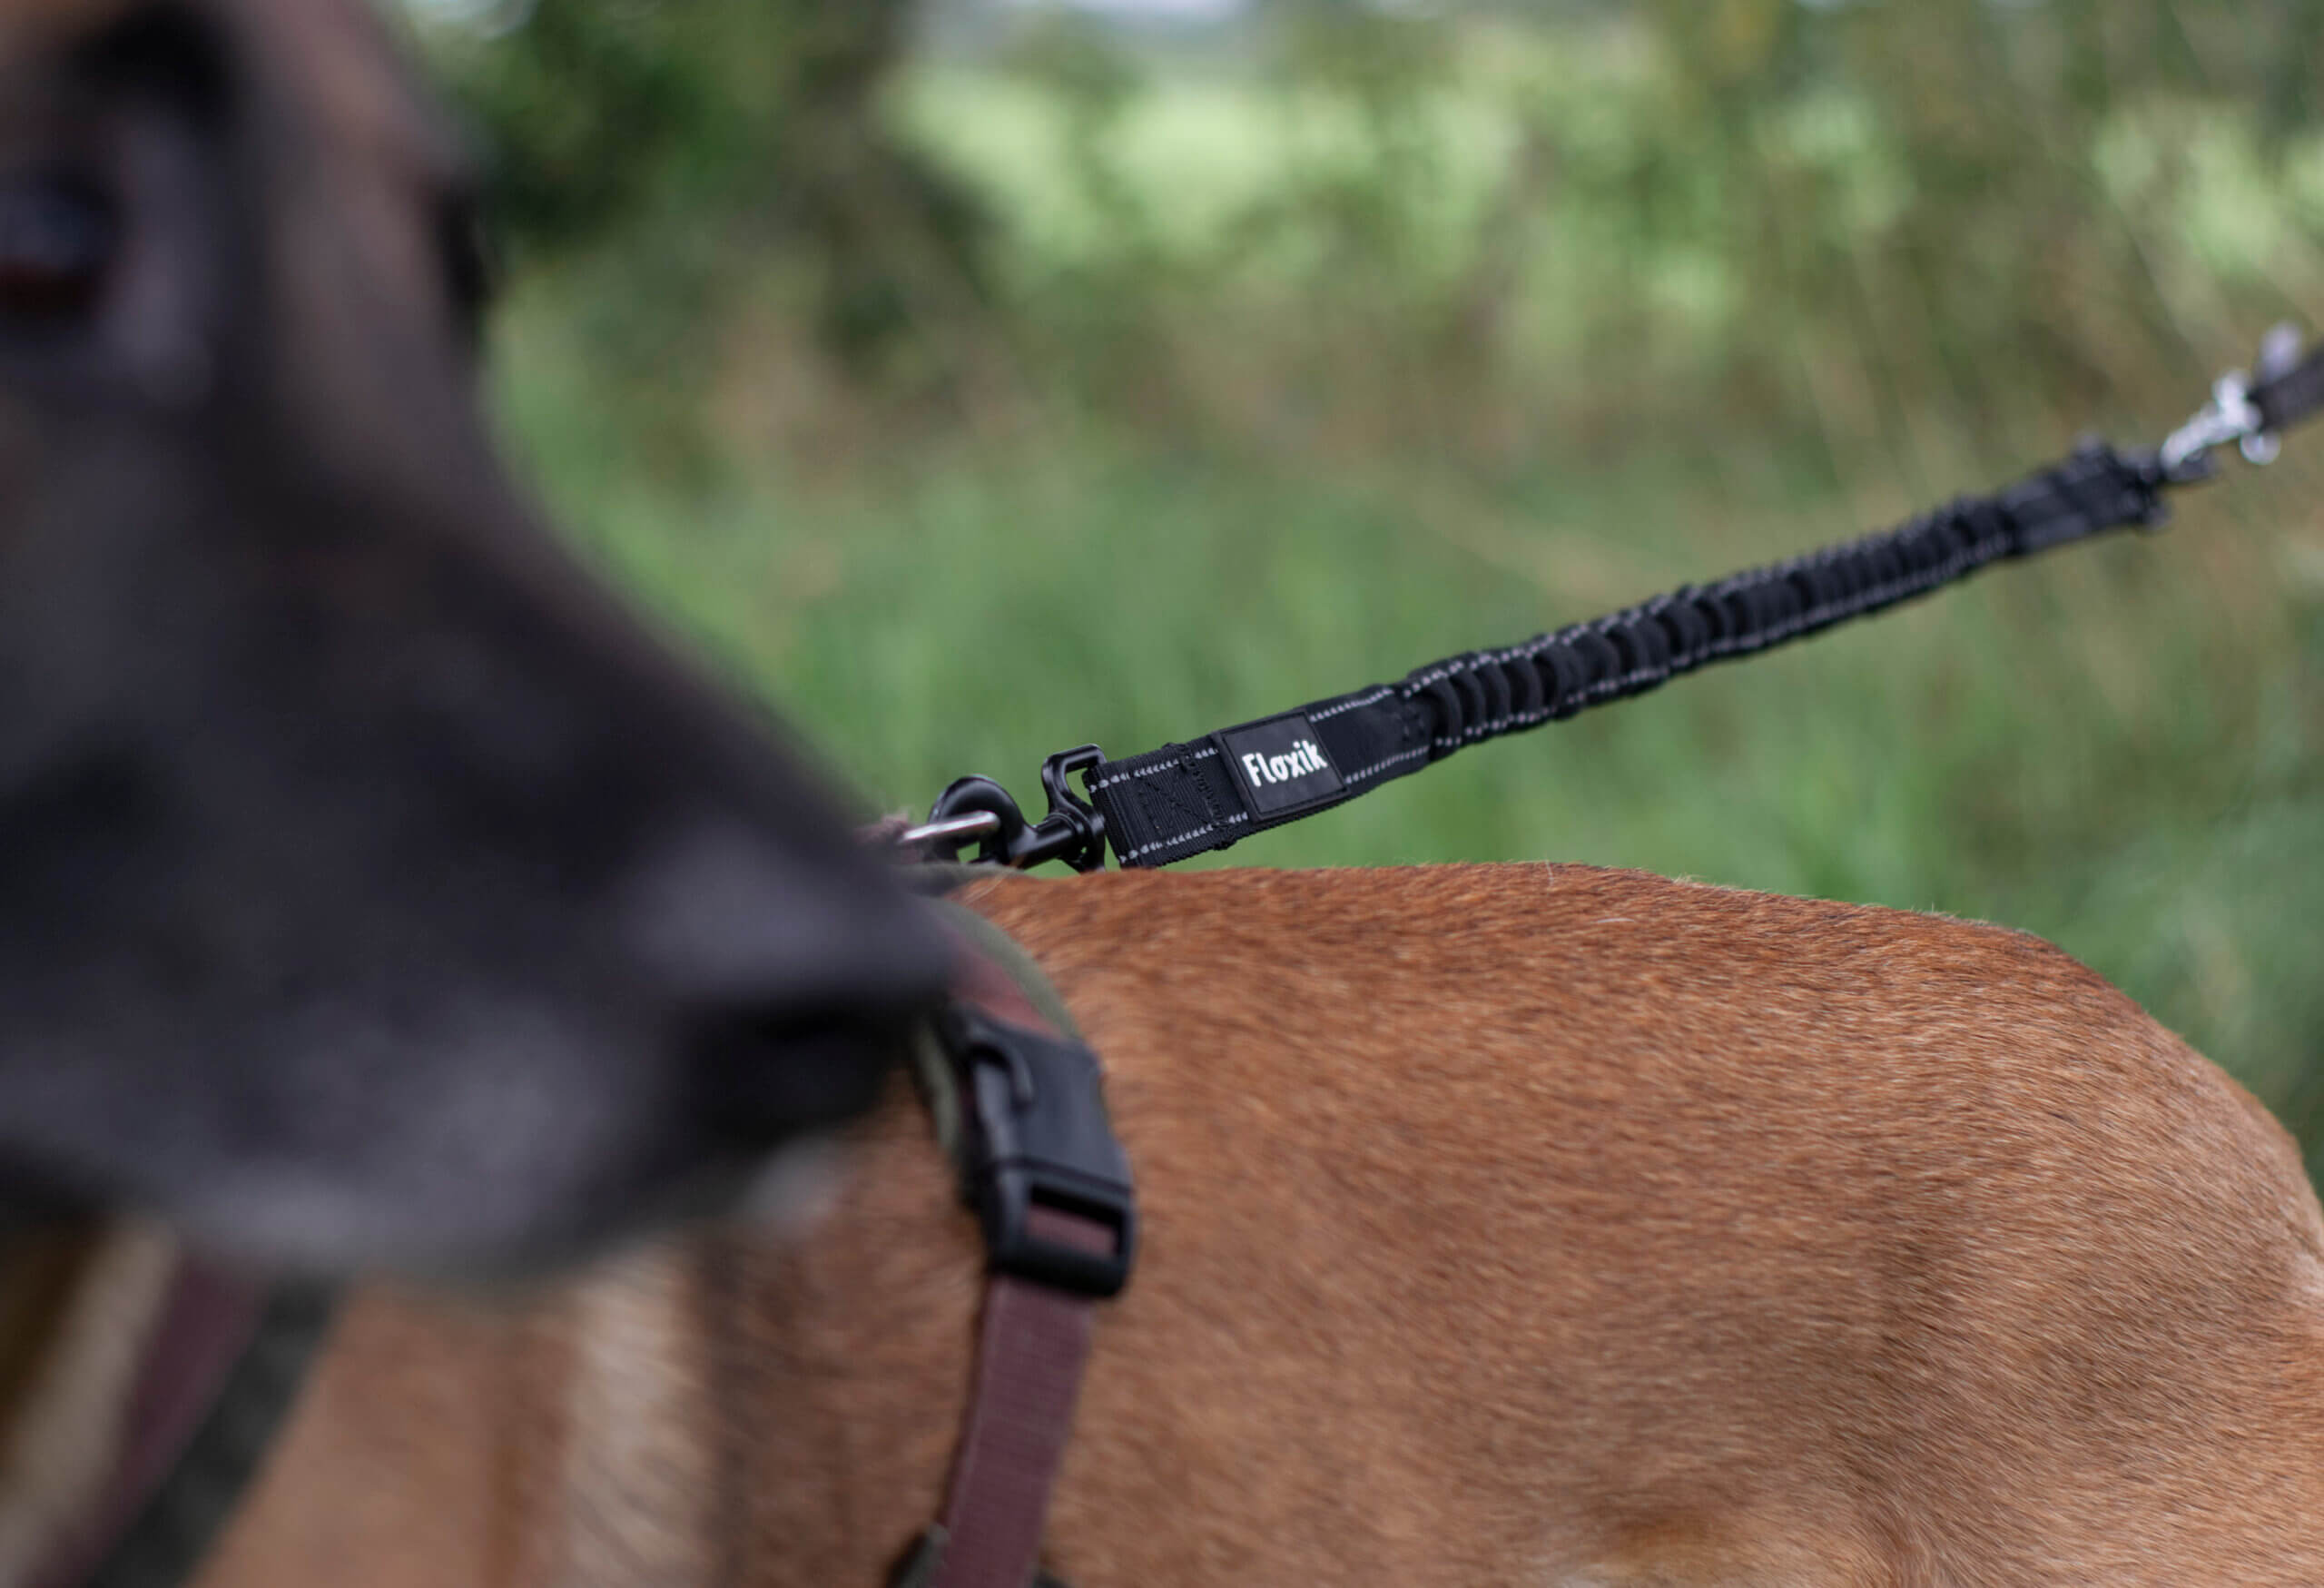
column 1280, row 763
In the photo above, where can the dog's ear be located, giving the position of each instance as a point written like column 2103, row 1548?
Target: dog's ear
column 371, row 888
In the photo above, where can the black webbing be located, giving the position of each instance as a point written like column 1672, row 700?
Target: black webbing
column 2294, row 395
column 1184, row 799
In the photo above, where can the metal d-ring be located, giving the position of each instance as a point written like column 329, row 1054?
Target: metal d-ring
column 952, row 832
column 2229, row 416
column 971, row 810
column 977, row 810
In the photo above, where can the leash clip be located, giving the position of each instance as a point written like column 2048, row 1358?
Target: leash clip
column 977, row 810
column 2229, row 416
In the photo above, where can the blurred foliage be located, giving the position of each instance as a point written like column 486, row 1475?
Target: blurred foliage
column 749, row 122
column 1840, row 214
column 976, row 379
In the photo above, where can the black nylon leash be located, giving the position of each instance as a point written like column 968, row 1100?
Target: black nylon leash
column 1185, row 799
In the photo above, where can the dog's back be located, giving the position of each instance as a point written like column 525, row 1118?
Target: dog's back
column 1504, row 1225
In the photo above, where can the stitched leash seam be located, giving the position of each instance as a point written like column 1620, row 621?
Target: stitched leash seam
column 1200, row 753
column 1371, row 698
column 1143, row 850
column 1391, row 761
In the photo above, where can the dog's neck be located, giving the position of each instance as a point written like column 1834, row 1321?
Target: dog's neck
column 777, row 1406
column 810, row 1381
column 77, row 1308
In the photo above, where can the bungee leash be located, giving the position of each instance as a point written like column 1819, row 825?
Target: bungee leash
column 1185, row 799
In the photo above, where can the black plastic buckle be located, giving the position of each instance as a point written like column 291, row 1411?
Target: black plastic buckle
column 1042, row 1139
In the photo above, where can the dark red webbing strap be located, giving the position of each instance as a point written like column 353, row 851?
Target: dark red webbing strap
column 207, row 1321
column 222, row 1368
column 1032, row 1347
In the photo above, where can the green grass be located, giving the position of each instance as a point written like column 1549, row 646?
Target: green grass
column 2120, row 748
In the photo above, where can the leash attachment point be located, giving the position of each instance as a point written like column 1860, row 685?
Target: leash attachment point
column 977, row 810
column 952, row 831
column 2248, row 411
column 2229, row 416
column 1076, row 832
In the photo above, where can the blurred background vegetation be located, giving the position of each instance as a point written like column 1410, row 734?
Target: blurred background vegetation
column 980, row 377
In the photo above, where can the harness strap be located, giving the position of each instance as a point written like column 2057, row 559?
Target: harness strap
column 1183, row 799
column 227, row 1357
column 1032, row 1348
column 1052, row 1186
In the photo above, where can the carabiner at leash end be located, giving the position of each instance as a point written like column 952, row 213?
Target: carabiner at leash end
column 2231, row 414
column 977, row 810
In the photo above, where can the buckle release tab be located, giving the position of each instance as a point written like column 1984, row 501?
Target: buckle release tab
column 1042, row 1140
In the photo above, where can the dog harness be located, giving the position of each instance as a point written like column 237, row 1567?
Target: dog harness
column 226, row 1357
column 1017, row 1100
column 1019, row 1103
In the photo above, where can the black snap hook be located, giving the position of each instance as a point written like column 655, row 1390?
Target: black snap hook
column 977, row 810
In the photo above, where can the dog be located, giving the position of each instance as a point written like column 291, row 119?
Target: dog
column 389, row 907
column 386, row 897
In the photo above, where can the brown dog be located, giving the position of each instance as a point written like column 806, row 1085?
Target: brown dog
column 1530, row 1225
column 384, row 901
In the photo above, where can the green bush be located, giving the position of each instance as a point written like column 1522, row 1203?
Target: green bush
column 652, row 129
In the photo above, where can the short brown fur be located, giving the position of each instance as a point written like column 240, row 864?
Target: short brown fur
column 1515, row 1225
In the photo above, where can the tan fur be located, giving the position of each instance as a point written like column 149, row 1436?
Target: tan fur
column 1516, row 1224
column 80, row 1307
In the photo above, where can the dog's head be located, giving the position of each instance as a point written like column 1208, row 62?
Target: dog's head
column 370, row 888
